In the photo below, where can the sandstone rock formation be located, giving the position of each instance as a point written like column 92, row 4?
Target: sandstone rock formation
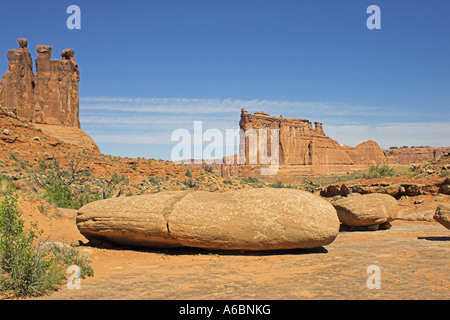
column 51, row 95
column 445, row 187
column 17, row 85
column 56, row 91
column 366, row 210
column 409, row 155
column 300, row 143
column 442, row 215
column 252, row 219
column 303, row 149
column 368, row 152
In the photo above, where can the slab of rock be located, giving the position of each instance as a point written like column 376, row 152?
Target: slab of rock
column 366, row 210
column 254, row 219
column 442, row 215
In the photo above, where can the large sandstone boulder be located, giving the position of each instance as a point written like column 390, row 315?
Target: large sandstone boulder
column 366, row 210
column 442, row 215
column 254, row 219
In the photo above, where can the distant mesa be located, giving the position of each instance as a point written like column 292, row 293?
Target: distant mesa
column 302, row 144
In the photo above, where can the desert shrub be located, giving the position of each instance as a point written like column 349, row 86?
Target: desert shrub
column 190, row 183
column 6, row 185
column 25, row 269
column 277, row 184
column 188, row 173
column 69, row 187
column 66, row 255
column 382, row 171
column 227, row 181
column 251, row 180
column 208, row 168
column 59, row 194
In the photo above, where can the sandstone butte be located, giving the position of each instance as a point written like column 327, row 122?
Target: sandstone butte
column 303, row 149
column 49, row 99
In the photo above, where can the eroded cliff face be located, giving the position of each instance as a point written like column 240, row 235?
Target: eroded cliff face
column 17, row 85
column 50, row 96
column 410, row 155
column 302, row 144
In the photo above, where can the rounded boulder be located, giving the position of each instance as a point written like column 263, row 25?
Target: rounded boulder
column 366, row 210
column 253, row 219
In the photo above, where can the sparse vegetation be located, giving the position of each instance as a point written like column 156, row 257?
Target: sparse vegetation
column 6, row 185
column 26, row 267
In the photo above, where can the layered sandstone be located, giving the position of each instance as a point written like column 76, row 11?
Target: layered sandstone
column 409, row 155
column 304, row 149
column 368, row 152
column 252, row 219
column 299, row 143
column 48, row 97
column 17, row 85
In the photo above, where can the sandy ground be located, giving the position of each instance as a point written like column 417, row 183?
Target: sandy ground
column 413, row 258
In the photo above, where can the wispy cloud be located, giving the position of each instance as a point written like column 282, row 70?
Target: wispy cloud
column 221, row 106
column 112, row 120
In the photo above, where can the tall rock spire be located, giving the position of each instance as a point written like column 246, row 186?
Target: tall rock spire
column 50, row 96
column 17, row 85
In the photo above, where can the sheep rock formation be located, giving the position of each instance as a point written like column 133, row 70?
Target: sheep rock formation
column 48, row 97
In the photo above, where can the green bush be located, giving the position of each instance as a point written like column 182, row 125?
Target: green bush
column 277, row 184
column 26, row 267
column 59, row 195
column 25, row 270
column 190, row 183
column 382, row 171
column 6, row 185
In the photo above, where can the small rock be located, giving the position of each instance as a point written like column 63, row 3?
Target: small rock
column 36, row 139
column 6, row 132
column 442, row 215
column 418, row 201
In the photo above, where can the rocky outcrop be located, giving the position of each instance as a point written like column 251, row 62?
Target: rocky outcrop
column 445, row 187
column 48, row 97
column 410, row 155
column 442, row 215
column 397, row 190
column 302, row 145
column 371, row 210
column 17, row 85
column 368, row 152
column 299, row 143
column 56, row 91
column 252, row 219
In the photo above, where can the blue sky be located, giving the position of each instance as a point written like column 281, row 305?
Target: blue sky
column 150, row 67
